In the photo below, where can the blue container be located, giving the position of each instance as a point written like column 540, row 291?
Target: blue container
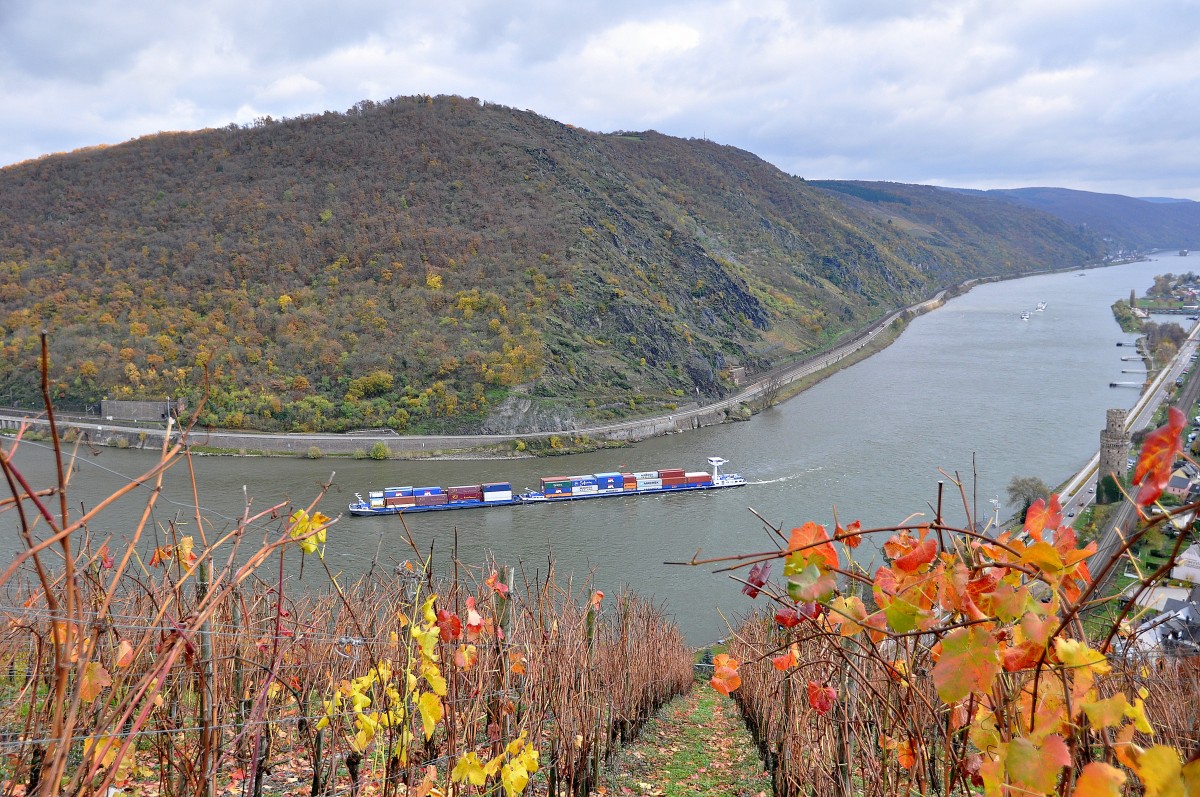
column 426, row 491
column 578, row 481
column 497, row 487
column 609, row 481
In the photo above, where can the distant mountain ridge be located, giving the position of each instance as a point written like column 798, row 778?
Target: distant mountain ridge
column 1124, row 222
column 420, row 262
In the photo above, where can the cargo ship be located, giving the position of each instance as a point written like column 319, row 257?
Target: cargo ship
column 396, row 500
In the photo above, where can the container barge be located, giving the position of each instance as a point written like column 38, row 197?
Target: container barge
column 396, row 500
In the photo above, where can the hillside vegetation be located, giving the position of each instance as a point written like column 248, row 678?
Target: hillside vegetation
column 1124, row 222
column 415, row 263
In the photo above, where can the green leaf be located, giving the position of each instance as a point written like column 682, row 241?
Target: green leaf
column 811, row 585
column 902, row 615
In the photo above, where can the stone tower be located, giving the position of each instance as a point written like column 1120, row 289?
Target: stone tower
column 1114, row 447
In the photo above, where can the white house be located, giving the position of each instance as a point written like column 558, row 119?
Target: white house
column 1187, row 566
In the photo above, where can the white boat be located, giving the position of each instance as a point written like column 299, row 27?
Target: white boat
column 1026, row 315
column 1041, row 306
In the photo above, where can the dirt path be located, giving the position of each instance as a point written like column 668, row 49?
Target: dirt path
column 697, row 745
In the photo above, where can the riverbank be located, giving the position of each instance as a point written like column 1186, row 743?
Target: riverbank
column 767, row 389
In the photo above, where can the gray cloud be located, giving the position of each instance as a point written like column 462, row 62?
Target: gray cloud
column 1090, row 94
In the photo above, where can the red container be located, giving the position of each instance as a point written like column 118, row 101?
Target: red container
column 674, row 481
column 705, row 479
column 471, row 492
column 432, row 500
column 628, row 481
column 670, row 472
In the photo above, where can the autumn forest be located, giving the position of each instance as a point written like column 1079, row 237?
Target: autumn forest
column 413, row 263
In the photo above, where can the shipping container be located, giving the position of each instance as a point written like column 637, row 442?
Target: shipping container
column 497, row 495
column 469, row 492
column 419, row 491
column 587, row 478
column 628, row 481
column 646, row 474
column 609, row 482
column 497, row 487
column 375, row 494
column 556, row 486
column 674, row 481
column 584, row 489
column 376, row 503
column 438, row 499
column 667, row 472
column 698, row 477
column 649, row 484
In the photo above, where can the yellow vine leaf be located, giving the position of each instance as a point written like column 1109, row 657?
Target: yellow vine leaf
column 469, row 768
column 1160, row 771
column 431, row 712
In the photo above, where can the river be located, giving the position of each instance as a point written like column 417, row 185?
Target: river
column 970, row 388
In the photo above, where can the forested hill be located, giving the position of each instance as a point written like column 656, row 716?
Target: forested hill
column 1124, row 222
column 421, row 262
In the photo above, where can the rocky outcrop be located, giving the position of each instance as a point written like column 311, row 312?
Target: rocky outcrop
column 522, row 414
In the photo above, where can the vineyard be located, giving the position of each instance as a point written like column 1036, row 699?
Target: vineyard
column 970, row 662
column 197, row 667
column 967, row 663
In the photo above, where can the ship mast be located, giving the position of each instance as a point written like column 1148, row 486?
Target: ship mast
column 716, row 463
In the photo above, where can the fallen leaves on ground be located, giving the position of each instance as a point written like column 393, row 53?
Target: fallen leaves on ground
column 696, row 745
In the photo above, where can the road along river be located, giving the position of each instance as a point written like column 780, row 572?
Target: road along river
column 969, row 388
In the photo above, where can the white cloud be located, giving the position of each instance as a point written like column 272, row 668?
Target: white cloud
column 1083, row 93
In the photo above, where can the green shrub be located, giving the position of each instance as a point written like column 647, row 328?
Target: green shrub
column 380, row 451
column 314, row 453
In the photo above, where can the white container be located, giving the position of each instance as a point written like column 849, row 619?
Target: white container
column 646, row 474
column 497, row 495
column 584, row 489
column 649, row 484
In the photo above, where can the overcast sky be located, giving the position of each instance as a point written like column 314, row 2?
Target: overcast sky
column 1098, row 95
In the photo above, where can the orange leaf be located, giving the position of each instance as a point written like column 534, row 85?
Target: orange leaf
column 810, row 544
column 124, row 653
column 92, row 681
column 785, row 661
column 922, row 554
column 465, row 657
column 1041, row 516
column 852, row 539
column 968, row 664
column 1159, row 451
column 1034, row 768
column 1099, row 780
column 496, row 584
column 725, row 674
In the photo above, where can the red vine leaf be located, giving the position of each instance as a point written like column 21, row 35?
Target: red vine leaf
column 758, row 576
column 1159, row 451
column 821, row 698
